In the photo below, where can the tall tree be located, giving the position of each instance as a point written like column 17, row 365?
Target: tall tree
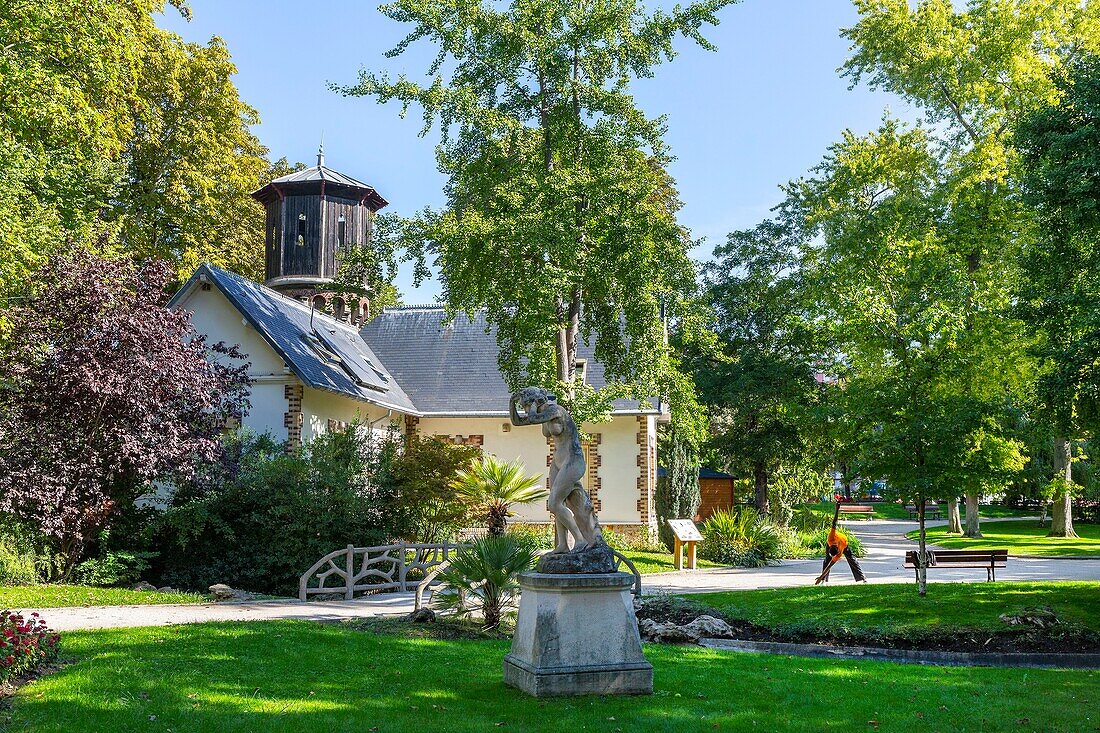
column 105, row 390
column 561, row 221
column 756, row 378
column 116, row 133
column 1060, row 295
column 914, row 355
column 974, row 70
column 192, row 162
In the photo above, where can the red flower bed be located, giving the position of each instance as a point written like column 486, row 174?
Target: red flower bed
column 25, row 644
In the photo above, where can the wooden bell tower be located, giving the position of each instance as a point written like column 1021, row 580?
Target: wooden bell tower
column 313, row 217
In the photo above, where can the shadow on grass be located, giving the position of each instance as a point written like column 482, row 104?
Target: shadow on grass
column 299, row 676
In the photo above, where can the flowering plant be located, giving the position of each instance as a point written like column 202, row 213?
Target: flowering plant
column 25, row 644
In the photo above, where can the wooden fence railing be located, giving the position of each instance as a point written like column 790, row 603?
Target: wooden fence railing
column 397, row 567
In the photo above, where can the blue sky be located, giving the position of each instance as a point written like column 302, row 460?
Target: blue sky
column 741, row 121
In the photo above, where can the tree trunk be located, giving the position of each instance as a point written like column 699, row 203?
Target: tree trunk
column 954, row 519
column 1043, row 515
column 1061, row 522
column 922, row 553
column 973, row 528
column 498, row 521
column 760, row 482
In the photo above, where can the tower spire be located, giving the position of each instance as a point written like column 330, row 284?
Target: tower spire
column 321, row 152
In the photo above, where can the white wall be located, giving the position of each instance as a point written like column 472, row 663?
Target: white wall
column 618, row 471
column 213, row 315
column 319, row 406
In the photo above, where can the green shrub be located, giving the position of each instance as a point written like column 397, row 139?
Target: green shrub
column 484, row 578
column 811, row 544
column 744, row 539
column 17, row 563
column 537, row 537
column 113, row 568
column 262, row 518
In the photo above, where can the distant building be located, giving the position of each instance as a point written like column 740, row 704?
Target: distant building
column 319, row 360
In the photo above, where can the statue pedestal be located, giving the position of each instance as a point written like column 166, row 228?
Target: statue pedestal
column 577, row 635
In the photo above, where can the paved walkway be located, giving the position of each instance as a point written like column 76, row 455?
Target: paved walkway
column 884, row 541
column 114, row 617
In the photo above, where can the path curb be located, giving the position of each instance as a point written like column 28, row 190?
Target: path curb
column 911, row 656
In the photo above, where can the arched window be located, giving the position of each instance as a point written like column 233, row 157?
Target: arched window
column 301, row 229
column 342, row 232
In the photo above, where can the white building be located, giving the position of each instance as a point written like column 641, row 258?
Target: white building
column 317, row 368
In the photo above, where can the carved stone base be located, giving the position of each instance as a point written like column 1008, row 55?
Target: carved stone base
column 577, row 635
column 594, row 560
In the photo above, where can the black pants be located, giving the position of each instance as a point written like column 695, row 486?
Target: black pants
column 857, row 571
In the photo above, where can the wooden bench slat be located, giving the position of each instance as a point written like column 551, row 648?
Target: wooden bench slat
column 988, row 559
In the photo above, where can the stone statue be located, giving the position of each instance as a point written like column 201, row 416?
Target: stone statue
column 570, row 504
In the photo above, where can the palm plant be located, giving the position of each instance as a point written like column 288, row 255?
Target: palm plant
column 485, row 577
column 493, row 486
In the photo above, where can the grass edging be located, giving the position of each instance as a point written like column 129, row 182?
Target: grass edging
column 1036, row 660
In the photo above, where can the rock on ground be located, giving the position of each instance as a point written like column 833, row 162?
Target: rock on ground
column 666, row 632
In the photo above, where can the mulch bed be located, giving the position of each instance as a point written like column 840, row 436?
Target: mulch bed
column 1060, row 638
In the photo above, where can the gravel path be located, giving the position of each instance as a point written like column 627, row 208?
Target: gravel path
column 113, row 617
column 884, row 540
column 886, row 544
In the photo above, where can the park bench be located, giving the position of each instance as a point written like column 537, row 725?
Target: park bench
column 931, row 511
column 988, row 559
column 857, row 510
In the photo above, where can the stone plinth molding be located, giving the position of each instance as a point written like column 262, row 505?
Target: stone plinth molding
column 577, row 635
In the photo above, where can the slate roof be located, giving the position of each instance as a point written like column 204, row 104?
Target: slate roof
column 406, row 359
column 451, row 368
column 328, row 355
column 311, row 179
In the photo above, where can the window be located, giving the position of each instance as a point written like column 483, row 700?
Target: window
column 301, row 229
column 342, row 232
column 580, row 371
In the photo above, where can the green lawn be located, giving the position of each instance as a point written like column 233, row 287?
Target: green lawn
column 61, row 596
column 661, row 562
column 892, row 510
column 896, row 608
column 1021, row 538
column 313, row 678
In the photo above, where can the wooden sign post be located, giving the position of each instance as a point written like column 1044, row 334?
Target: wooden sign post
column 684, row 532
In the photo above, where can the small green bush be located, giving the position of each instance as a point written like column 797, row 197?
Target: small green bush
column 484, row 577
column 113, row 568
column 536, row 537
column 811, row 544
column 17, row 564
column 745, row 539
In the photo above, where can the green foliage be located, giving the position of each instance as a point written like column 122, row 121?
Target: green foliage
column 756, row 377
column 1060, row 293
column 555, row 177
column 113, row 568
column 536, row 537
column 119, row 135
column 18, row 564
column 810, row 544
column 491, row 486
column 192, row 162
column 676, row 495
column 484, row 577
column 259, row 521
column 745, row 539
column 792, row 486
column 418, row 478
